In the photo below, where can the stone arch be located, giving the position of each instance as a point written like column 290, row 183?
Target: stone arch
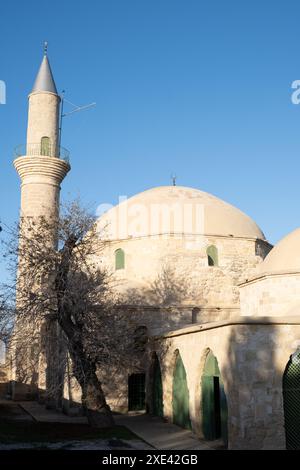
column 291, row 399
column 180, row 394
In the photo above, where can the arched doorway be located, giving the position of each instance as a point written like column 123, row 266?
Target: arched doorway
column 214, row 403
column 291, row 400
column 157, row 390
column 181, row 413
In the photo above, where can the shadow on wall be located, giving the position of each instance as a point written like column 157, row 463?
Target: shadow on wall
column 175, row 299
column 252, row 394
column 211, row 424
column 253, row 385
column 166, row 304
column 167, row 388
column 167, row 289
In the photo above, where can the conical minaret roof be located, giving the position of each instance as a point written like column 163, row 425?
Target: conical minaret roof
column 44, row 80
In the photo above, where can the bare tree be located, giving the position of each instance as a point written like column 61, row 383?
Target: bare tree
column 67, row 304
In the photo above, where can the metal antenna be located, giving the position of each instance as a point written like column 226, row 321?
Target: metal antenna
column 77, row 108
column 174, row 178
column 62, row 97
column 62, row 114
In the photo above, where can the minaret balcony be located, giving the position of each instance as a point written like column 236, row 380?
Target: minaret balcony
column 40, row 150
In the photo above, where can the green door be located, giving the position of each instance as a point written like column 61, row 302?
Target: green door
column 181, row 414
column 291, row 403
column 158, row 407
column 214, row 403
column 208, row 407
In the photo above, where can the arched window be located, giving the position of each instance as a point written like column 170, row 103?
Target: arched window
column 119, row 259
column 45, row 146
column 212, row 255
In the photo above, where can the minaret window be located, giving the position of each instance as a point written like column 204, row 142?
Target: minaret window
column 212, row 255
column 195, row 314
column 45, row 146
column 119, row 259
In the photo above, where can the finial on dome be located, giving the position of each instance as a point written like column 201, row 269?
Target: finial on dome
column 174, row 178
column 45, row 47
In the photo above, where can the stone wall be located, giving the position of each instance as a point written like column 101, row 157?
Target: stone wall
column 270, row 295
column 252, row 357
column 173, row 271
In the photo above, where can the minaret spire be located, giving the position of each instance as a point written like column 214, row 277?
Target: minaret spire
column 44, row 80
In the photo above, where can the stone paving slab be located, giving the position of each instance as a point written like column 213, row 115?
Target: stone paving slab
column 162, row 435
column 152, row 430
column 42, row 415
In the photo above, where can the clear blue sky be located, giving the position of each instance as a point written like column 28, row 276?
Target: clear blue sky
column 199, row 88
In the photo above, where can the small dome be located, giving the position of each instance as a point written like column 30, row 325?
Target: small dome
column 285, row 256
column 177, row 209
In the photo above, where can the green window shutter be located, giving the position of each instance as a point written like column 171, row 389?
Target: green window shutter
column 119, row 259
column 45, row 146
column 212, row 256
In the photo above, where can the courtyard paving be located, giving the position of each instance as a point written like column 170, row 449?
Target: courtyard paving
column 164, row 436
column 29, row 425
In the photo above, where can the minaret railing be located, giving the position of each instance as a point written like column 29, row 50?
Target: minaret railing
column 38, row 150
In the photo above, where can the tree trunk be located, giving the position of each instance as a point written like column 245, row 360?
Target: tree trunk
column 93, row 399
column 94, row 403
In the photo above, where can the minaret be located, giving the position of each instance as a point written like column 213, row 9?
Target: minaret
column 42, row 165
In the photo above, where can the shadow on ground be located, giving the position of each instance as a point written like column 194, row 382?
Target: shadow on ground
column 19, row 430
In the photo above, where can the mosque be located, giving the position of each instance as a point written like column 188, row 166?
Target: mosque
column 220, row 304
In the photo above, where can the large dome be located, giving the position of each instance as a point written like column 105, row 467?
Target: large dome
column 177, row 209
column 285, row 256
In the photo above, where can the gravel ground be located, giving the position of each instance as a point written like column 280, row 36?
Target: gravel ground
column 79, row 445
